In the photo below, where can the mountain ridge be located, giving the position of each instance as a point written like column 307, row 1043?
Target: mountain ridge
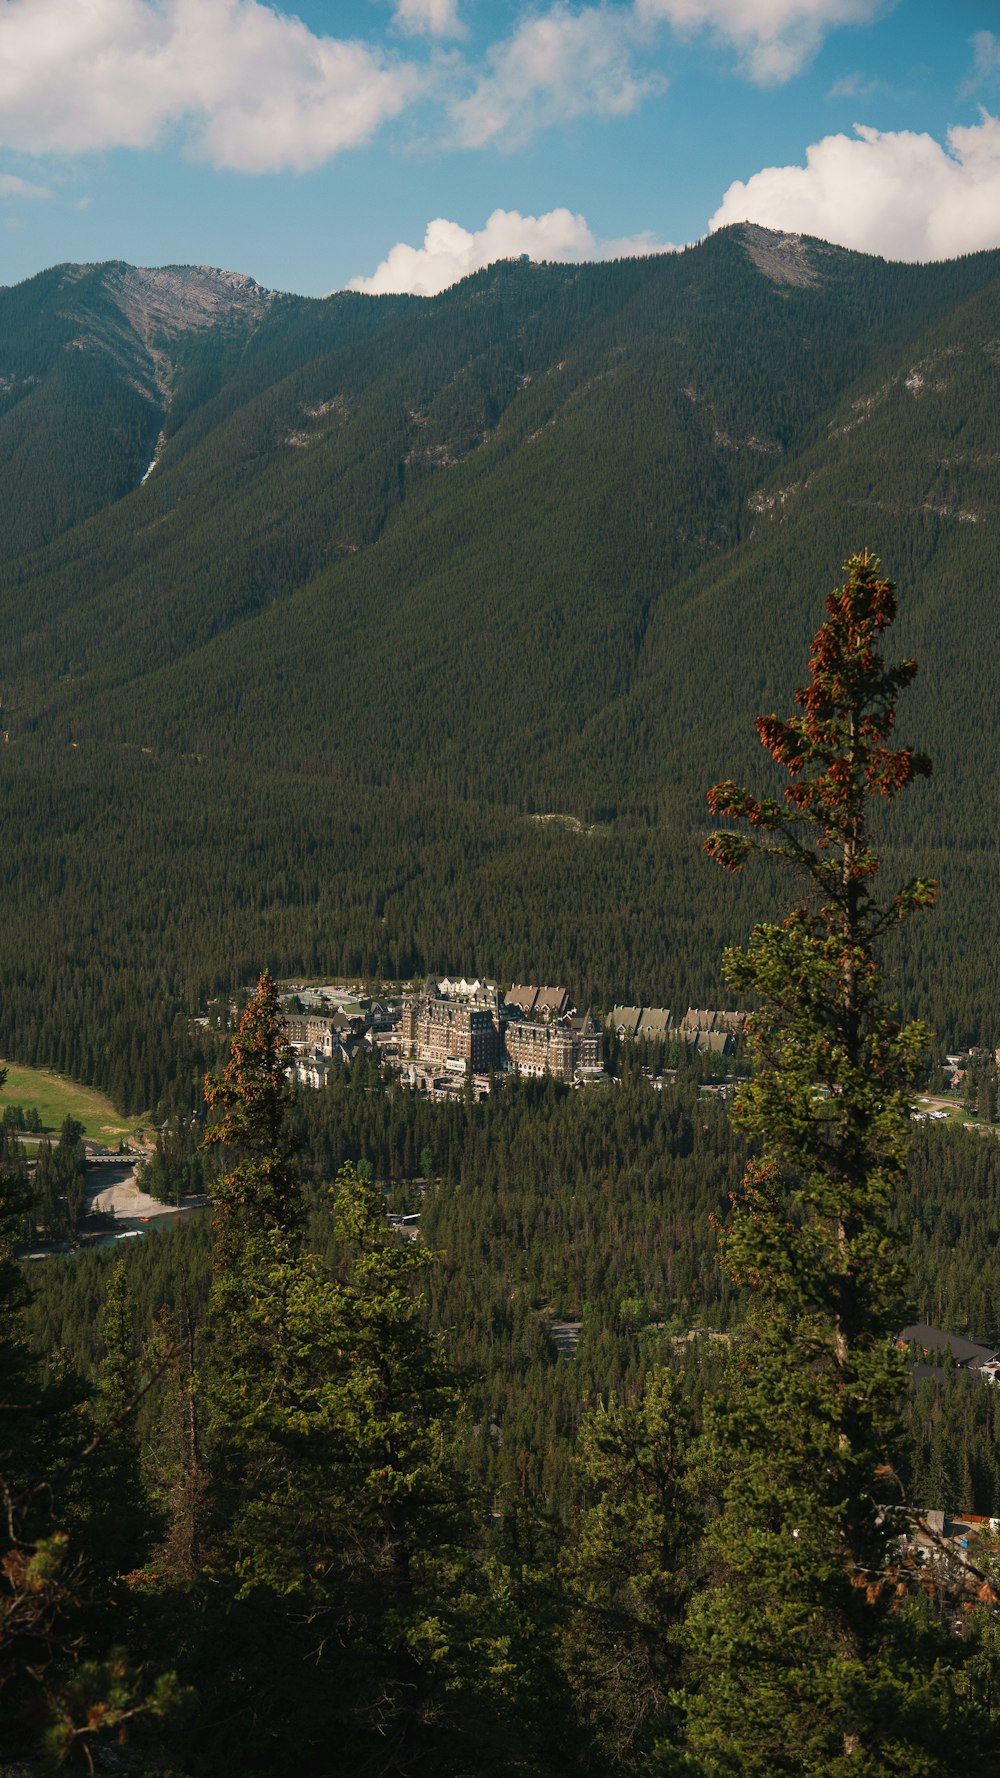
column 545, row 542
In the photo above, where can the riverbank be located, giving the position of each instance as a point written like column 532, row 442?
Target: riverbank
column 123, row 1199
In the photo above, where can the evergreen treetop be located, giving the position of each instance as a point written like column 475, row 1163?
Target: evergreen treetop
column 260, row 1196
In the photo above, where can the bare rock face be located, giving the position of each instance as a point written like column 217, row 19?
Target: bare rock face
column 782, row 258
column 148, row 311
column 175, row 299
column 165, row 303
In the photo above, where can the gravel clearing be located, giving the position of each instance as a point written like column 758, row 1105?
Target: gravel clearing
column 124, row 1199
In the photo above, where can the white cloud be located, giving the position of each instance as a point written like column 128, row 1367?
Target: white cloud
column 985, row 60
column 429, row 18
column 13, row 187
column 451, row 252
column 854, row 86
column 640, row 246
column 775, row 39
column 895, row 193
column 250, row 89
column 556, row 66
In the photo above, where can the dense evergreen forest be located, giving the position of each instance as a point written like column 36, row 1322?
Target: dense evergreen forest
column 410, row 574
column 545, row 1596
column 590, row 1478
column 548, row 1206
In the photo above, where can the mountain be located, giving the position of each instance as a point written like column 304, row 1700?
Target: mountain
column 89, row 355
column 409, row 575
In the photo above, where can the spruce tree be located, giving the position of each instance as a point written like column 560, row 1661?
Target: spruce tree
column 626, row 1573
column 808, row 1657
column 120, row 1523
column 36, row 1570
column 173, row 1468
column 259, row 1200
column 65, row 1684
column 331, row 1493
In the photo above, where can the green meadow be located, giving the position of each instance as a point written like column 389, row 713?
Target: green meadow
column 54, row 1097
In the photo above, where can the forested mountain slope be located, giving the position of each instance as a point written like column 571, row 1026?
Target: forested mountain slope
column 409, row 573
column 90, row 357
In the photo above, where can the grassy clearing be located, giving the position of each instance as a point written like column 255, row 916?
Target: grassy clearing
column 55, row 1097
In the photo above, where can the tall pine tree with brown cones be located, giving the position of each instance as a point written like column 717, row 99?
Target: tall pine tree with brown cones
column 811, row 1654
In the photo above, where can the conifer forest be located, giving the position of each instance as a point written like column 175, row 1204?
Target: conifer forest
column 493, row 634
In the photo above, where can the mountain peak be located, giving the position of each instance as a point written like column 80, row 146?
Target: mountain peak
column 169, row 300
column 784, row 258
column 143, row 311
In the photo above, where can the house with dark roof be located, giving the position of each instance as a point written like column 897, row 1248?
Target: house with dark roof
column 937, row 1348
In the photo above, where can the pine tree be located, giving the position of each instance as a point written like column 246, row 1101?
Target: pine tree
column 626, row 1576
column 257, row 1227
column 120, row 1521
column 63, row 1685
column 36, row 1575
column 330, row 1488
column 806, row 1662
column 173, row 1468
column 117, row 1377
column 259, row 1199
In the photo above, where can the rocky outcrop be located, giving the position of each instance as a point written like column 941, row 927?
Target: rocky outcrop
column 164, row 304
column 782, row 258
column 138, row 315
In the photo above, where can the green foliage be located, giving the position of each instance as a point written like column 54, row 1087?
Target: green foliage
column 32, row 1590
column 257, row 1202
column 72, row 1522
column 117, row 1382
column 803, row 1665
column 59, row 1184
column 631, row 464
column 120, row 1523
column 176, row 1169
column 627, row 1577
column 590, row 1200
column 173, row 1470
column 106, row 1699
column 332, row 1493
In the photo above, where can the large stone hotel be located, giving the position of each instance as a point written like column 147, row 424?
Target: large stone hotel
column 462, row 1027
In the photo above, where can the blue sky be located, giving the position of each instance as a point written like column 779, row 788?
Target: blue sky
column 316, row 146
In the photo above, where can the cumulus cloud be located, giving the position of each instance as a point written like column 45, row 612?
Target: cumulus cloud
column 897, row 193
column 556, row 66
column 774, row 39
column 429, row 18
column 249, row 88
column 451, row 252
column 252, row 88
